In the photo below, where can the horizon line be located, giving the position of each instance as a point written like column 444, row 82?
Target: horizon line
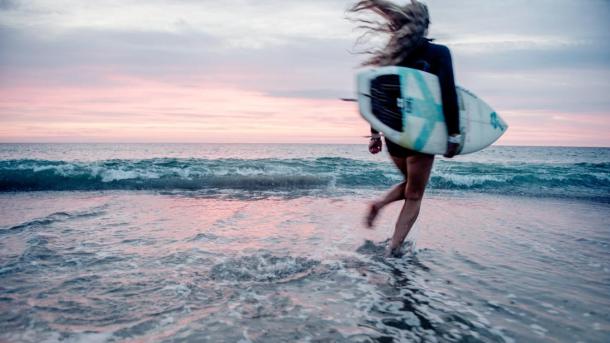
column 301, row 143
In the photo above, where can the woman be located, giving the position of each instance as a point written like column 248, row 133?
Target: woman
column 408, row 47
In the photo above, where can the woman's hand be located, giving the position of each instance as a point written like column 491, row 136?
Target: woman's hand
column 452, row 149
column 453, row 146
column 375, row 145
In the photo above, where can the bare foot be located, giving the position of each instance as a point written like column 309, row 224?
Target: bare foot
column 393, row 252
column 373, row 212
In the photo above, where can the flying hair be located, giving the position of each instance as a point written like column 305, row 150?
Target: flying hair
column 405, row 25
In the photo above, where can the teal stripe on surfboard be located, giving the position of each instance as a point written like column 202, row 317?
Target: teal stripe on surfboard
column 428, row 106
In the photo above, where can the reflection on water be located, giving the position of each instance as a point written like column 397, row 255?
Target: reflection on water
column 150, row 267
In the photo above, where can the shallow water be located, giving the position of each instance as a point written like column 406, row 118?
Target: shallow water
column 291, row 264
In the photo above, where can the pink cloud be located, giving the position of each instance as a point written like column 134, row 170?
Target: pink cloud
column 130, row 109
column 136, row 109
column 536, row 127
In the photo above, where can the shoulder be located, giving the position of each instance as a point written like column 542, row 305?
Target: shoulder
column 439, row 50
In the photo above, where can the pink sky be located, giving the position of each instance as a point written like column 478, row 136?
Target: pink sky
column 140, row 110
column 157, row 72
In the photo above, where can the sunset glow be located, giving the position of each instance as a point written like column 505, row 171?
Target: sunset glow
column 274, row 72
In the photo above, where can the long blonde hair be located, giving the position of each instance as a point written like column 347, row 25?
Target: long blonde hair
column 406, row 26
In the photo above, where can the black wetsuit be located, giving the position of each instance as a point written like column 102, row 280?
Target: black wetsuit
column 434, row 59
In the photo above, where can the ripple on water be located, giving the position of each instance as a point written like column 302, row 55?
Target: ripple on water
column 397, row 303
column 263, row 267
column 53, row 218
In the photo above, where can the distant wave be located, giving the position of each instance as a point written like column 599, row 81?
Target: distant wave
column 588, row 180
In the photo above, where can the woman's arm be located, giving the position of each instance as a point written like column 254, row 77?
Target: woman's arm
column 450, row 102
column 448, row 92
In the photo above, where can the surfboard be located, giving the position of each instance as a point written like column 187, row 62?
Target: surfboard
column 405, row 104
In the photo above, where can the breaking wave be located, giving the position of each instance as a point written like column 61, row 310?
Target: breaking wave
column 329, row 174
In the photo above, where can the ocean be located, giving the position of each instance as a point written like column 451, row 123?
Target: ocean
column 266, row 243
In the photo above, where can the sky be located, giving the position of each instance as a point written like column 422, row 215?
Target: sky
column 272, row 70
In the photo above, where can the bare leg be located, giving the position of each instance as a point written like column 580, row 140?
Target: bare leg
column 418, row 171
column 397, row 192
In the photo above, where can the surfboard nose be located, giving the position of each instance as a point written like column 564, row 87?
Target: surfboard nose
column 504, row 124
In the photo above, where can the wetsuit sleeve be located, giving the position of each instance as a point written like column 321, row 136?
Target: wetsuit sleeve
column 448, row 92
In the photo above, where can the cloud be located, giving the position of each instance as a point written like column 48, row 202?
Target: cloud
column 560, row 18
column 8, row 5
column 540, row 56
column 309, row 93
column 279, row 37
column 180, row 57
column 236, row 22
column 584, row 54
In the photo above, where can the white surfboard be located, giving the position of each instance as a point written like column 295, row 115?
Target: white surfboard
column 412, row 112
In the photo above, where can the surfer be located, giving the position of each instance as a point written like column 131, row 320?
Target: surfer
column 408, row 46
